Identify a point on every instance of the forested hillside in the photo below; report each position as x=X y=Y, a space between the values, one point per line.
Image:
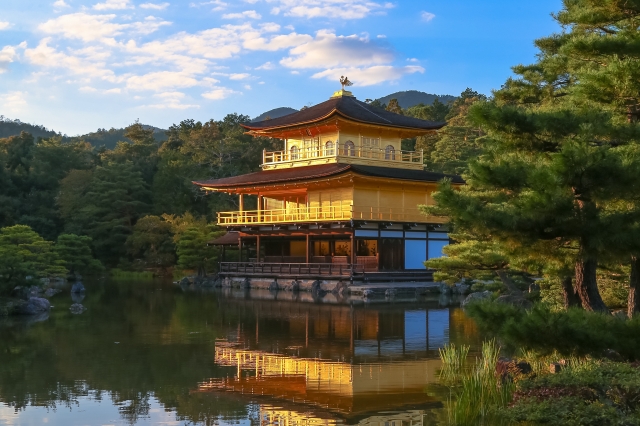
x=410 y=98
x=10 y=127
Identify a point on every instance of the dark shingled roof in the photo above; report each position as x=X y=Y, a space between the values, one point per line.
x=324 y=170
x=349 y=107
x=231 y=238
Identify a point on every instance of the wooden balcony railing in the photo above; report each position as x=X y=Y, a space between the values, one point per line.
x=301 y=269
x=292 y=215
x=324 y=214
x=342 y=150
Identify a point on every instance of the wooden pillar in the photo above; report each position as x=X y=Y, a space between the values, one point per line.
x=241 y=202
x=306 y=331
x=258 y=248
x=353 y=250
x=239 y=249
x=224 y=250
x=259 y=207
x=308 y=249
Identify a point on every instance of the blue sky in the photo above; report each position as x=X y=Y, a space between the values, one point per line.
x=79 y=65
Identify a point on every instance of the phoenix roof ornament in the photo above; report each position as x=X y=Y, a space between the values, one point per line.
x=345 y=82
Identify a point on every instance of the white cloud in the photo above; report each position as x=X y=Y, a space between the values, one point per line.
x=87 y=62
x=247 y=86
x=83 y=26
x=87 y=89
x=219 y=4
x=251 y=1
x=266 y=66
x=8 y=54
x=427 y=16
x=276 y=42
x=328 y=50
x=381 y=36
x=115 y=90
x=113 y=5
x=412 y=60
x=294 y=72
x=369 y=76
x=4 y=25
x=162 y=80
x=60 y=3
x=251 y=14
x=155 y=6
x=219 y=93
x=13 y=102
x=171 y=100
x=340 y=9
x=240 y=76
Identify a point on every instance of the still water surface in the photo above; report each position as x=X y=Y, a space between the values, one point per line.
x=154 y=353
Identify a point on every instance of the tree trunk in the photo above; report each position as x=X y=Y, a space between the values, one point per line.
x=633 y=305
x=587 y=286
x=569 y=294
x=504 y=277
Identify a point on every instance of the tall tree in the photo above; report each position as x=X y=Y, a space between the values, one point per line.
x=561 y=164
x=114 y=200
x=394 y=107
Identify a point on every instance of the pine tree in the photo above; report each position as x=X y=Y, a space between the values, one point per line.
x=114 y=200
x=75 y=251
x=394 y=107
x=561 y=163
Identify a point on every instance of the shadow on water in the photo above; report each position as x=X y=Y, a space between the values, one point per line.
x=145 y=353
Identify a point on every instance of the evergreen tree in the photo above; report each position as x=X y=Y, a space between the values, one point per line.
x=460 y=140
x=152 y=242
x=24 y=253
x=394 y=107
x=75 y=251
x=561 y=163
x=115 y=199
x=193 y=251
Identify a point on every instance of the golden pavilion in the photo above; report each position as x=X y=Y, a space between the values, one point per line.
x=341 y=199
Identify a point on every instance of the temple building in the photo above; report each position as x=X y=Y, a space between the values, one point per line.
x=341 y=199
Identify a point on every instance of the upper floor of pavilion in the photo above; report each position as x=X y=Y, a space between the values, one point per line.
x=343 y=130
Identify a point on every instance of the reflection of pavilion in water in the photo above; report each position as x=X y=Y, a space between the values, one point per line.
x=326 y=364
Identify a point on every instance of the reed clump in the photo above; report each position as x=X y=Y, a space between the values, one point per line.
x=476 y=392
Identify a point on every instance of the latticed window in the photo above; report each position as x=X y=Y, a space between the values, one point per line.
x=389 y=153
x=349 y=148
x=294 y=153
x=370 y=143
x=329 y=148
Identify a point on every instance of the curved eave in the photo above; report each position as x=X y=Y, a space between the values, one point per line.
x=263 y=131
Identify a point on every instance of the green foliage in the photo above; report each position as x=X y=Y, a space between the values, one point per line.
x=109 y=208
x=24 y=253
x=394 y=107
x=152 y=242
x=574 y=332
x=193 y=251
x=477 y=394
x=75 y=251
x=469 y=259
x=591 y=393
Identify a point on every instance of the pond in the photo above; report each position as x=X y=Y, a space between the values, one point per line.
x=155 y=353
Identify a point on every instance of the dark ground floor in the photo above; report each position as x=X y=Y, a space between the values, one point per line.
x=361 y=247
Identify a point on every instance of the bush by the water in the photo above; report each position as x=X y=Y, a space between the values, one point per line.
x=572 y=332
x=588 y=393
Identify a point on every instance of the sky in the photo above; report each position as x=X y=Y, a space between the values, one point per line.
x=78 y=65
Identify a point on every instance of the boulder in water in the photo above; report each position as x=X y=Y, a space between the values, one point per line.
x=77 y=309
x=77 y=288
x=476 y=297
x=52 y=292
x=32 y=306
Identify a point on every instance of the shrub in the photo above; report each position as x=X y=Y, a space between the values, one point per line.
x=574 y=332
